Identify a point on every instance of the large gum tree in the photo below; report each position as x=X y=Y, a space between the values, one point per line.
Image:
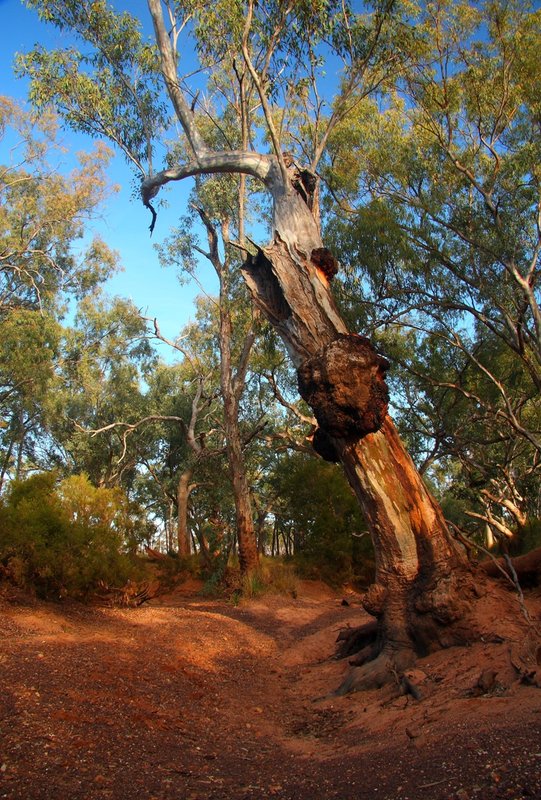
x=289 y=73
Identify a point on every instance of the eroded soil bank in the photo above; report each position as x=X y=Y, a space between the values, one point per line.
x=193 y=699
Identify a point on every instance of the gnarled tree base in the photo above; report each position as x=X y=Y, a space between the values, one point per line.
x=379 y=652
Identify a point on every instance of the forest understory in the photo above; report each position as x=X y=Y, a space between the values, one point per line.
x=192 y=698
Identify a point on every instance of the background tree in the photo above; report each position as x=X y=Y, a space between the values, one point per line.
x=42 y=267
x=105 y=358
x=216 y=204
x=185 y=431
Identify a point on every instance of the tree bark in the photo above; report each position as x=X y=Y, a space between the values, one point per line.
x=247 y=544
x=246 y=538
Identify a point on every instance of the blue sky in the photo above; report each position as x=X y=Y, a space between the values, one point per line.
x=124 y=223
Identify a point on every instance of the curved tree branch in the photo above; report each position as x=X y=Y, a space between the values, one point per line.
x=233 y=162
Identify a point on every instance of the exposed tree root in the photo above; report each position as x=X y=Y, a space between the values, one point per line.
x=354 y=640
x=368 y=653
x=527 y=568
x=388 y=667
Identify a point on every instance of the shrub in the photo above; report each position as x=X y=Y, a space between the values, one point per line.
x=279 y=576
x=63 y=538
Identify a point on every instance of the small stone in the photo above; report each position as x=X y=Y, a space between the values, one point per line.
x=416 y=676
x=487 y=680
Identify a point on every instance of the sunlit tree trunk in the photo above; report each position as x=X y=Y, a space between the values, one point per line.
x=423 y=588
x=422 y=578
x=183 y=495
x=423 y=591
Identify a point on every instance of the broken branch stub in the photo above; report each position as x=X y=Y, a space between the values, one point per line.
x=324 y=260
x=345 y=386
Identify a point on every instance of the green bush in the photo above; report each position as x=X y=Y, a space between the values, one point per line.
x=330 y=538
x=529 y=537
x=63 y=538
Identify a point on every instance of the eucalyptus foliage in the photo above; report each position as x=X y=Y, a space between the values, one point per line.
x=436 y=215
x=44 y=266
x=422 y=122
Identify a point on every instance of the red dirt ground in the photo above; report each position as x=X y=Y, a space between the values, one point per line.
x=194 y=699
